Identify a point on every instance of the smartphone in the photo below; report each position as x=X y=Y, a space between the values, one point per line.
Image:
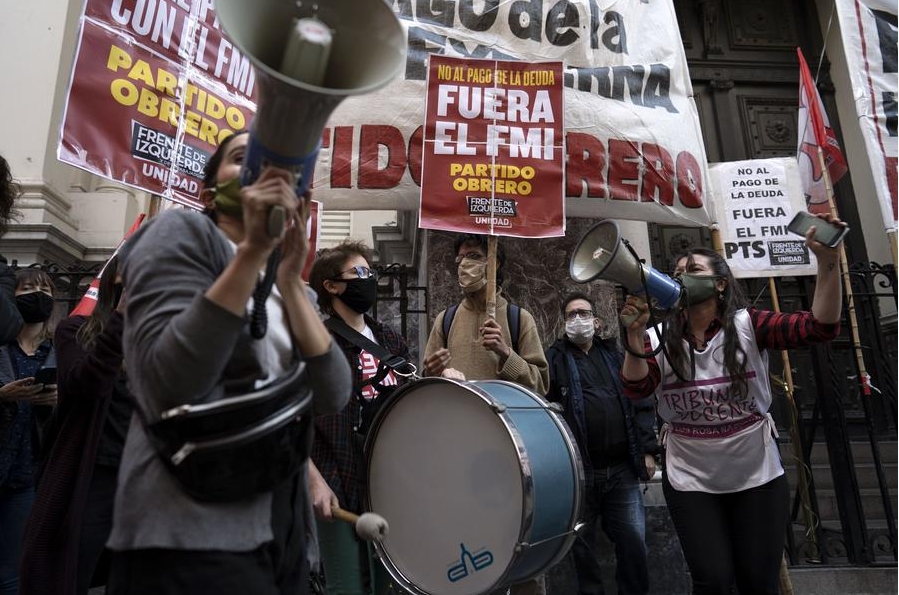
x=45 y=375
x=826 y=233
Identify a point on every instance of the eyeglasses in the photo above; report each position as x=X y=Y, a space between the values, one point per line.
x=361 y=273
x=471 y=256
x=575 y=314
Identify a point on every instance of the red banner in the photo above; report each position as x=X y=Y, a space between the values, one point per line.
x=816 y=132
x=493 y=148
x=154 y=90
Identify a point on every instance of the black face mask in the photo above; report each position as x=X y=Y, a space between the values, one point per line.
x=36 y=306
x=359 y=294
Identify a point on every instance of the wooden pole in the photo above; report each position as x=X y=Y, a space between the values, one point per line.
x=795 y=442
x=847 y=285
x=491 y=276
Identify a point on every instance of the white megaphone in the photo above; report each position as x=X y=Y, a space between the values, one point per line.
x=308 y=56
x=599 y=254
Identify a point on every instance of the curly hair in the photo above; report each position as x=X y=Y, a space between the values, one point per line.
x=329 y=263
x=9 y=192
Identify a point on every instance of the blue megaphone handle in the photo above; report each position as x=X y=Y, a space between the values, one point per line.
x=663 y=289
x=257 y=156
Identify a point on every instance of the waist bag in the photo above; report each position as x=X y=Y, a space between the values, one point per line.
x=238 y=446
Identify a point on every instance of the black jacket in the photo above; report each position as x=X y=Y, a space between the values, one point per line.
x=564 y=388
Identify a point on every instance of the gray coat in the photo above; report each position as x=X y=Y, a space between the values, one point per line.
x=182 y=348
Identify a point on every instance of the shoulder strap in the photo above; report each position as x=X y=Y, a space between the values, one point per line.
x=448 y=322
x=395 y=362
x=513 y=312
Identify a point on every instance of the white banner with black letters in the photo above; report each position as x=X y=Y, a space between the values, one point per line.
x=754 y=201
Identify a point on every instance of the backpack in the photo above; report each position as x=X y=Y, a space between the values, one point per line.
x=513 y=312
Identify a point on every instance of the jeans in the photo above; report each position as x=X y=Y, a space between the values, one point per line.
x=15 y=506
x=613 y=502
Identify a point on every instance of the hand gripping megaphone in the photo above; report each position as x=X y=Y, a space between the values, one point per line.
x=603 y=254
x=307 y=58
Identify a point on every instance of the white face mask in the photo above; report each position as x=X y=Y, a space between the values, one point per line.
x=580 y=330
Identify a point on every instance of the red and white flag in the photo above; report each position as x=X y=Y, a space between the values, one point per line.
x=89 y=300
x=814 y=132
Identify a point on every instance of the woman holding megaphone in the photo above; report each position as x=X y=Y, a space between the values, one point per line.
x=192 y=280
x=723 y=479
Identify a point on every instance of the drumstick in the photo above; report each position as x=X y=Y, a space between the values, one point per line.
x=369 y=526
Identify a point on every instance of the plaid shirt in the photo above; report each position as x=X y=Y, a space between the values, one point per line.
x=335 y=448
x=773 y=330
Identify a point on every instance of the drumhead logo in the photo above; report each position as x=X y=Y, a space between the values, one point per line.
x=469 y=563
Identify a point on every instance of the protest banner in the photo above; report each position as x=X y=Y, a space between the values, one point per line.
x=633 y=145
x=755 y=201
x=634 y=149
x=154 y=89
x=869 y=32
x=493 y=150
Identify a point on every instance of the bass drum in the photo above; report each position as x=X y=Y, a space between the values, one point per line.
x=481 y=483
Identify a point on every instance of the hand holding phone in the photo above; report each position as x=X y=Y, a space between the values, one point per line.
x=829 y=234
x=45 y=375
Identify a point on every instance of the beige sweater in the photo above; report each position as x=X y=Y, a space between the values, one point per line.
x=526 y=367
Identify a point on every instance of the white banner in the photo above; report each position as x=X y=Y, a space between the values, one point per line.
x=634 y=148
x=869 y=37
x=754 y=202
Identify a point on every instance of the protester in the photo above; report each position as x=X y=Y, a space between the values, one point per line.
x=617 y=443
x=72 y=514
x=347 y=287
x=10 y=318
x=479 y=348
x=190 y=278
x=24 y=404
x=723 y=479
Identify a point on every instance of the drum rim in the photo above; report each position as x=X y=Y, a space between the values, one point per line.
x=577 y=464
x=524 y=465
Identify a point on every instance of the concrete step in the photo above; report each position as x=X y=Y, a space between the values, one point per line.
x=866 y=474
x=872 y=504
x=860 y=450
x=843 y=581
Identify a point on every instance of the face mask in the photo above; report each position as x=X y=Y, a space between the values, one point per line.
x=35 y=306
x=359 y=294
x=227 y=198
x=580 y=330
x=472 y=275
x=699 y=288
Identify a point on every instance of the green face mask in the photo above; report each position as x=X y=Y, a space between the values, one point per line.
x=699 y=288
x=227 y=198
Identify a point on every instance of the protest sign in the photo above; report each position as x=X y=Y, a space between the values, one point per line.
x=493 y=150
x=755 y=201
x=154 y=90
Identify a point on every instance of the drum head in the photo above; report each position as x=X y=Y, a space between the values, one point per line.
x=445 y=473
